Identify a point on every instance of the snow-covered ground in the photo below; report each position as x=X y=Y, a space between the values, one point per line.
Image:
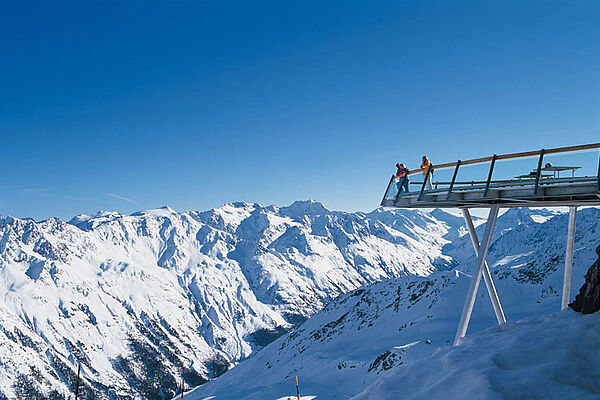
x=556 y=356
x=393 y=340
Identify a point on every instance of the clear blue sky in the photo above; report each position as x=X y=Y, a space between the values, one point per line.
x=134 y=105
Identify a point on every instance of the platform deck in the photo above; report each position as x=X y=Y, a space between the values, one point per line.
x=518 y=193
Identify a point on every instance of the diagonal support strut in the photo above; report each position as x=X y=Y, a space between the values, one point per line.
x=470 y=301
x=487 y=276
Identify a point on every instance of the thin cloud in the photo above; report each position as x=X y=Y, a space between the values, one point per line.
x=27 y=190
x=35 y=192
x=119 y=197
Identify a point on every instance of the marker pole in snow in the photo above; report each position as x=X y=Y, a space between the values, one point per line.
x=182 y=384
x=566 y=291
x=297 y=390
x=77 y=384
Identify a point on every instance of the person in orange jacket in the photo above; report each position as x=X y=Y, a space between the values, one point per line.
x=425 y=163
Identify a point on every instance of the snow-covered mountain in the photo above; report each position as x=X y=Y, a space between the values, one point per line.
x=142 y=300
x=392 y=339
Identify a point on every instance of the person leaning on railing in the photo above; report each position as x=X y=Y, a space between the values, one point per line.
x=425 y=163
x=401 y=178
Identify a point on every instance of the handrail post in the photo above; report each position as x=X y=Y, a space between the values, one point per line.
x=489 y=179
x=453 y=179
x=386 y=191
x=538 y=172
x=425 y=181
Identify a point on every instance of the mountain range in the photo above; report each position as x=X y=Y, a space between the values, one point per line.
x=140 y=301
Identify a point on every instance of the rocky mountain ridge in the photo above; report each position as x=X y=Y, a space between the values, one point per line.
x=141 y=300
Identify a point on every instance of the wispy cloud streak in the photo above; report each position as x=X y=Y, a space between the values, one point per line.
x=119 y=197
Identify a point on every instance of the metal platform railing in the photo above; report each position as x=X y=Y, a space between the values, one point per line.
x=536 y=188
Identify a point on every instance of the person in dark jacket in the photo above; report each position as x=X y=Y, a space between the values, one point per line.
x=402 y=178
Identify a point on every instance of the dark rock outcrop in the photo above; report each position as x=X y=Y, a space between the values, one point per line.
x=588 y=299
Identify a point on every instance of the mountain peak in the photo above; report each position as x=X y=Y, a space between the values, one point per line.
x=537 y=215
x=85 y=222
x=304 y=207
x=164 y=211
x=239 y=205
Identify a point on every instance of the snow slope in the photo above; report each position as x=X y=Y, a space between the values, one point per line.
x=552 y=357
x=394 y=328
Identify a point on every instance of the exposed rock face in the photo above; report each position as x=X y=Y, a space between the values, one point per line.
x=588 y=299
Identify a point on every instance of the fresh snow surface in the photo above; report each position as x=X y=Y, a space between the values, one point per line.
x=551 y=357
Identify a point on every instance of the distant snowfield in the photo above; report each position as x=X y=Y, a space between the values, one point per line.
x=550 y=357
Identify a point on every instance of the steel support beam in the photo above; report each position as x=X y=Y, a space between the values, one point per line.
x=566 y=292
x=487 y=276
x=470 y=301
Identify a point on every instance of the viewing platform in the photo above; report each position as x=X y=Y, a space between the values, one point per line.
x=541 y=187
x=528 y=179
